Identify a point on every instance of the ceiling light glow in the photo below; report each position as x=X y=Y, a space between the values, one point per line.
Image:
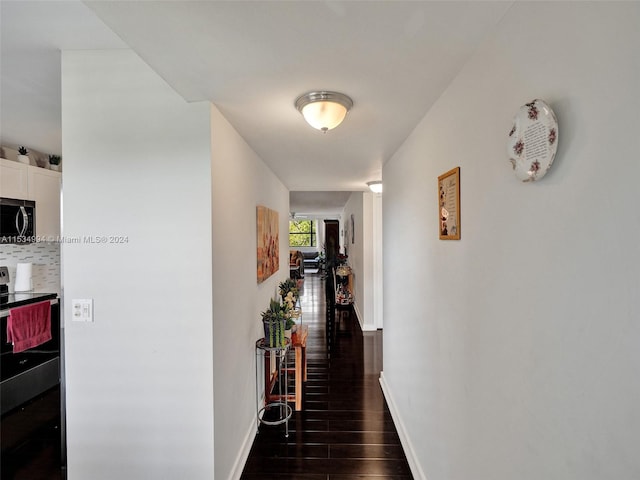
x=323 y=110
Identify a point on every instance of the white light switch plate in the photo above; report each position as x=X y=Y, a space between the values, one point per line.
x=82 y=310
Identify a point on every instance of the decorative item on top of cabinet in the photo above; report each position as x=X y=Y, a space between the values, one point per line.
x=23 y=155
x=54 y=162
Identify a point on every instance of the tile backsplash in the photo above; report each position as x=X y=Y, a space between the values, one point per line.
x=45 y=258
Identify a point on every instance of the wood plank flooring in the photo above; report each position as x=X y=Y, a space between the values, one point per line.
x=30 y=440
x=345 y=430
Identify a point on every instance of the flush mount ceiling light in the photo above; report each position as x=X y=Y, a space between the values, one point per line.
x=375 y=186
x=324 y=111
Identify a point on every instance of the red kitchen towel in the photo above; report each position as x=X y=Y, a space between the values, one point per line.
x=29 y=326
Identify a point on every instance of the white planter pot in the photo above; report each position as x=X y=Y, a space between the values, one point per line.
x=24 y=159
x=55 y=168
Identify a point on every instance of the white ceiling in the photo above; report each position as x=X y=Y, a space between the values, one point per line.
x=324 y=203
x=32 y=35
x=253 y=59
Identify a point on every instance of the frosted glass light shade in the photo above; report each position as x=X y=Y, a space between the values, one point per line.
x=375 y=187
x=324 y=115
x=324 y=111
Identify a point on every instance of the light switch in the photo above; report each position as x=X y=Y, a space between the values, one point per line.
x=82 y=310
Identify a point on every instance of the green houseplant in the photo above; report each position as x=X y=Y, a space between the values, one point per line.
x=288 y=290
x=274 y=320
x=286 y=287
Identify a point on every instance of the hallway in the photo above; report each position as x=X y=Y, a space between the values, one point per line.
x=345 y=430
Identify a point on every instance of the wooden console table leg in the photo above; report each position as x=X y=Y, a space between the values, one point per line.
x=298 y=378
x=304 y=361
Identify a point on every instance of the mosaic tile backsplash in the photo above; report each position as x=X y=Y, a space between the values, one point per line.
x=45 y=258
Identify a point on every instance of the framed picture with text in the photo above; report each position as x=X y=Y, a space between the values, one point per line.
x=449 y=205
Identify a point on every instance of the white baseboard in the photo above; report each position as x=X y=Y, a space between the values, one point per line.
x=414 y=465
x=363 y=327
x=241 y=459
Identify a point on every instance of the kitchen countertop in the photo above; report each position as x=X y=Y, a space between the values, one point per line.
x=12 y=300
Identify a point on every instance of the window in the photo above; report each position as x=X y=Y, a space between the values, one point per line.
x=302 y=233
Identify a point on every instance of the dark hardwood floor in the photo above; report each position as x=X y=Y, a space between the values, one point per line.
x=345 y=430
x=30 y=440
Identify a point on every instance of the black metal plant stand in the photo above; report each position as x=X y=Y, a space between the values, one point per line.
x=276 y=411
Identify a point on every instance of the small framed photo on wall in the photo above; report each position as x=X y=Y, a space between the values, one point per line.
x=449 y=205
x=352 y=229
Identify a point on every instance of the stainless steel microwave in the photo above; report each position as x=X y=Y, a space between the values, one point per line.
x=17 y=220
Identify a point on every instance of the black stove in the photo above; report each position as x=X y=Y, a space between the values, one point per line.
x=11 y=300
x=4 y=280
x=25 y=375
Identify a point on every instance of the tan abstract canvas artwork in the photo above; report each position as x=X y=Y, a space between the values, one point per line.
x=268 y=242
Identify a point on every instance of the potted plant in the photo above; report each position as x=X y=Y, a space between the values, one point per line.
x=23 y=155
x=274 y=320
x=322 y=264
x=288 y=286
x=54 y=162
x=289 y=291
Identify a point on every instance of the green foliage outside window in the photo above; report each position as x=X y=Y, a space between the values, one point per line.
x=302 y=233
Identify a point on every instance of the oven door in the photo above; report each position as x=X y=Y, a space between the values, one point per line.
x=28 y=374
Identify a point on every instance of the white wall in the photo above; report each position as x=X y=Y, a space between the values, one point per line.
x=365 y=256
x=140 y=378
x=354 y=250
x=513 y=353
x=361 y=260
x=377 y=262
x=240 y=182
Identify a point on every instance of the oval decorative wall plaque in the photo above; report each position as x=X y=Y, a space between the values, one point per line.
x=533 y=141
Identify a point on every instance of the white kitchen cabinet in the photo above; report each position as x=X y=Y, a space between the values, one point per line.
x=44 y=188
x=14 y=180
x=26 y=182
